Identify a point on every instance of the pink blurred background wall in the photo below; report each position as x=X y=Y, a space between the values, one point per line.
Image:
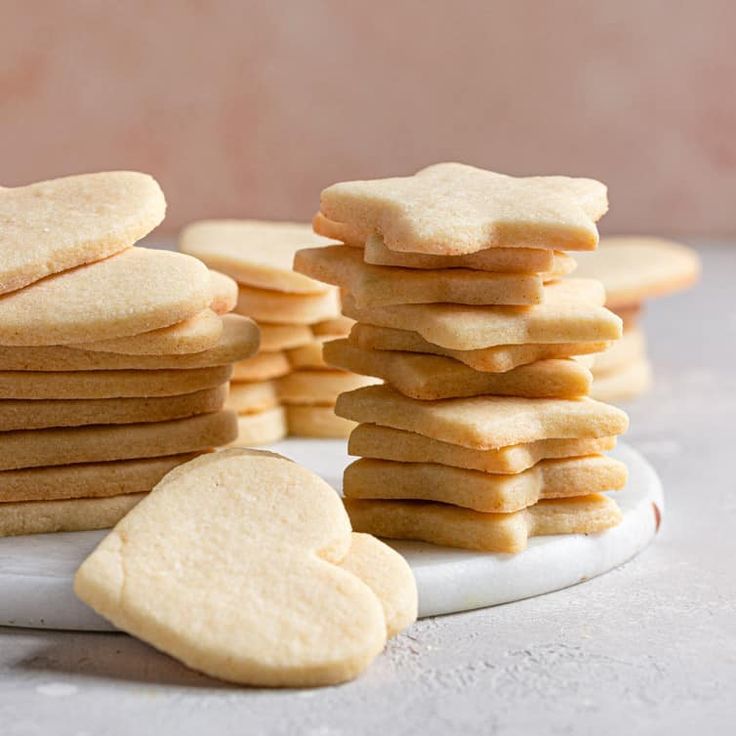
x=250 y=108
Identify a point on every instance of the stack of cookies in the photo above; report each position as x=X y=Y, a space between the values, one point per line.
x=286 y=388
x=114 y=359
x=632 y=270
x=483 y=434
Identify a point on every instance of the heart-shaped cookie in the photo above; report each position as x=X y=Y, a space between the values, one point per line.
x=232 y=565
x=55 y=225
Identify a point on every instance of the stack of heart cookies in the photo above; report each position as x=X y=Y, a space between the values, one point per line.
x=483 y=434
x=634 y=269
x=114 y=359
x=286 y=388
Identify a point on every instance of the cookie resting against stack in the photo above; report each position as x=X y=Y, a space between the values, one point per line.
x=483 y=434
x=286 y=388
x=634 y=269
x=114 y=359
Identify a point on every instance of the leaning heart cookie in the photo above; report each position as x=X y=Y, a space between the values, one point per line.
x=232 y=565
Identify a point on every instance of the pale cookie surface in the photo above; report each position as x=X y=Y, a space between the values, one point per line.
x=284 y=337
x=52 y=226
x=44 y=413
x=86 y=480
x=388 y=575
x=318 y=387
x=192 y=335
x=261 y=367
x=310 y=356
x=239 y=340
x=480 y=491
x=385 y=285
x=261 y=428
x=224 y=294
x=102 y=443
x=252 y=398
x=548 y=263
x=109 y=384
x=483 y=422
x=630 y=348
x=290 y=617
x=71 y=515
x=319 y=422
x=132 y=292
x=634 y=269
x=435 y=377
x=253 y=252
x=453 y=209
x=345 y=233
x=452 y=526
x=385 y=443
x=572 y=312
x=299 y=309
x=623 y=384
x=496 y=359
x=339 y=326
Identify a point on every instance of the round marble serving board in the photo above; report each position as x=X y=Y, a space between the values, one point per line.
x=36 y=571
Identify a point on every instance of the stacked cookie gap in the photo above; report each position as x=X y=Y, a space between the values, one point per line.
x=286 y=388
x=483 y=433
x=114 y=359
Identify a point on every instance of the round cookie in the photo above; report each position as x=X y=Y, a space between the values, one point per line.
x=261 y=428
x=299 y=309
x=252 y=398
x=224 y=293
x=317 y=421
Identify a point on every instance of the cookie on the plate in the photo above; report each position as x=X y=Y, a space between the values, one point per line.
x=318 y=387
x=263 y=366
x=454 y=209
x=56 y=225
x=299 y=309
x=252 y=398
x=236 y=622
x=261 y=428
x=319 y=422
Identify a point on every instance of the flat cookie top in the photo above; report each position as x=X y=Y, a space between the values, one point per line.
x=636 y=268
x=256 y=253
x=453 y=209
x=55 y=225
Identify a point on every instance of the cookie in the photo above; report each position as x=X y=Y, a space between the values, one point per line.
x=86 y=480
x=317 y=421
x=318 y=387
x=348 y=234
x=56 y=225
x=44 y=413
x=434 y=377
x=235 y=622
x=261 y=367
x=453 y=526
x=276 y=306
x=637 y=268
x=309 y=356
x=623 y=384
x=551 y=264
x=630 y=314
x=455 y=209
x=239 y=340
x=571 y=312
x=487 y=492
x=71 y=515
x=135 y=291
x=103 y=443
x=483 y=422
x=383 y=285
x=252 y=398
x=385 y=443
x=497 y=359
x=109 y=384
x=224 y=293
x=284 y=337
x=388 y=575
x=253 y=252
x=339 y=326
x=261 y=428
x=630 y=348
x=194 y=335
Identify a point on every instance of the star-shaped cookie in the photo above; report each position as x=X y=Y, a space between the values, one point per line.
x=455 y=209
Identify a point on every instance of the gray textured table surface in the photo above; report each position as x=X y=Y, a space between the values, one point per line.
x=649 y=648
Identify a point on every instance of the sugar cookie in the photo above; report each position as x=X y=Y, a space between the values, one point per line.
x=336 y=327
x=261 y=367
x=348 y=234
x=56 y=225
x=623 y=384
x=252 y=398
x=630 y=348
x=454 y=209
x=224 y=295
x=261 y=428
x=310 y=356
x=318 y=387
x=317 y=421
x=483 y=422
x=284 y=337
x=276 y=306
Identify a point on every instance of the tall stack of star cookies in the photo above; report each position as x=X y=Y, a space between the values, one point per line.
x=483 y=434
x=634 y=269
x=114 y=359
x=286 y=388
